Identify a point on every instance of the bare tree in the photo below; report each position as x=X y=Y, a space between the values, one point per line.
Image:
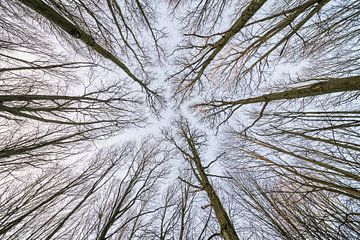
x=240 y=59
x=223 y=109
x=35 y=124
x=90 y=17
x=286 y=210
x=111 y=197
x=132 y=194
x=188 y=143
x=48 y=102
x=300 y=175
x=184 y=213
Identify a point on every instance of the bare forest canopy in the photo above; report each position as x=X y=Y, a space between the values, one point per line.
x=267 y=144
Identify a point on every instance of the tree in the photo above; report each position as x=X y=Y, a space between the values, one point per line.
x=288 y=210
x=76 y=25
x=314 y=168
x=48 y=102
x=189 y=146
x=217 y=109
x=93 y=202
x=182 y=215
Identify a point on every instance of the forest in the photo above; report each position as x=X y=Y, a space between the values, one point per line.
x=179 y=119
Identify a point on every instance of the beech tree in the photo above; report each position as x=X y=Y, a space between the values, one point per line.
x=48 y=102
x=89 y=17
x=183 y=214
x=312 y=165
x=290 y=210
x=240 y=58
x=189 y=144
x=92 y=203
x=224 y=109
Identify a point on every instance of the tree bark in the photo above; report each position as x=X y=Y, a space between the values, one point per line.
x=333 y=85
x=227 y=230
x=60 y=21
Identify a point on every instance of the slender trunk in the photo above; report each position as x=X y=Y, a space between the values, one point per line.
x=60 y=21
x=226 y=227
x=246 y=15
x=333 y=85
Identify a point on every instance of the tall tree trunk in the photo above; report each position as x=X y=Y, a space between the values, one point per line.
x=333 y=85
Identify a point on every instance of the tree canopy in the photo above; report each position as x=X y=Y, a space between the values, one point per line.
x=177 y=119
